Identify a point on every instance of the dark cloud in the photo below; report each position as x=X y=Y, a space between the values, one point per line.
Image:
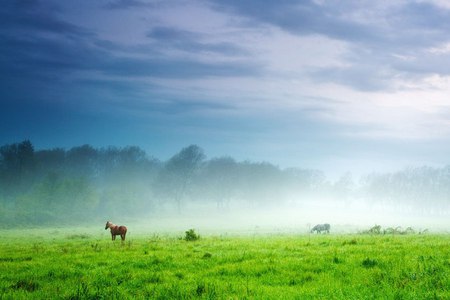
x=171 y=68
x=39 y=47
x=301 y=17
x=414 y=14
x=160 y=33
x=126 y=4
x=335 y=19
x=36 y=44
x=188 y=41
x=171 y=105
x=375 y=47
x=59 y=78
x=41 y=55
x=30 y=17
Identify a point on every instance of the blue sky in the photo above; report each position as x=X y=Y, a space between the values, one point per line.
x=334 y=85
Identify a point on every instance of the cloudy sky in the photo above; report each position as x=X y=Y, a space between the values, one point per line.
x=332 y=85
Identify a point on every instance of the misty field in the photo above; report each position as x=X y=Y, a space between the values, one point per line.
x=62 y=264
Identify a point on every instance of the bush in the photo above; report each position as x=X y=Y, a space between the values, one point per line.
x=377 y=229
x=191 y=235
x=369 y=263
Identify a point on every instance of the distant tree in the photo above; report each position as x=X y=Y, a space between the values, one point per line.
x=17 y=167
x=178 y=172
x=58 y=198
x=53 y=185
x=302 y=184
x=83 y=161
x=53 y=160
x=219 y=180
x=260 y=183
x=344 y=187
x=26 y=157
x=423 y=189
x=124 y=162
x=124 y=176
x=17 y=157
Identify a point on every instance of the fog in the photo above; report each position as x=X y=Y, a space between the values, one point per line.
x=85 y=185
x=288 y=220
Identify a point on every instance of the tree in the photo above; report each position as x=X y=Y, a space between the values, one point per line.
x=219 y=180
x=260 y=183
x=17 y=166
x=304 y=184
x=343 y=187
x=174 y=178
x=50 y=160
x=82 y=161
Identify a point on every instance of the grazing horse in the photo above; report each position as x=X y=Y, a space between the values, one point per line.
x=116 y=230
x=321 y=227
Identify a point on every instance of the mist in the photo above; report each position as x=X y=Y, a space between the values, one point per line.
x=87 y=185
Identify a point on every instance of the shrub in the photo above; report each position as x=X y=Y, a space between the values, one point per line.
x=191 y=235
x=351 y=242
x=27 y=285
x=375 y=229
x=378 y=230
x=369 y=263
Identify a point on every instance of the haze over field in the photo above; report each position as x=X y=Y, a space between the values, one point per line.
x=85 y=185
x=345 y=102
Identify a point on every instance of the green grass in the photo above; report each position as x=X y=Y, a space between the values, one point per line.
x=55 y=264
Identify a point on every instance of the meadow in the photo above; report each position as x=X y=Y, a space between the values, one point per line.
x=51 y=263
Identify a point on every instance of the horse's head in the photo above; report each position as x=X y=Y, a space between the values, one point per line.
x=108 y=223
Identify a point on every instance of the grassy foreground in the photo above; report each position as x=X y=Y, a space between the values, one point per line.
x=54 y=264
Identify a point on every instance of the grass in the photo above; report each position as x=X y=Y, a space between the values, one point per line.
x=54 y=264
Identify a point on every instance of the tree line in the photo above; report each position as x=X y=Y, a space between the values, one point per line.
x=55 y=185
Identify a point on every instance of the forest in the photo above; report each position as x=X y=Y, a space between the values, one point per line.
x=51 y=186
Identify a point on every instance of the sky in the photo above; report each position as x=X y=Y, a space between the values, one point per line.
x=340 y=86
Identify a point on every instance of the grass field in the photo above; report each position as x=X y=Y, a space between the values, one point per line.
x=59 y=264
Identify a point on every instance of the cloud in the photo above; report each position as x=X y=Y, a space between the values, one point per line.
x=43 y=56
x=24 y=17
x=160 y=68
x=280 y=75
x=126 y=4
x=376 y=34
x=303 y=18
x=192 y=42
x=441 y=49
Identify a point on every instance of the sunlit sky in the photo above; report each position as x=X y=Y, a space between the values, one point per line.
x=340 y=86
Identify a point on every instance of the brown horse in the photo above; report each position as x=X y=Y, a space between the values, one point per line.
x=116 y=230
